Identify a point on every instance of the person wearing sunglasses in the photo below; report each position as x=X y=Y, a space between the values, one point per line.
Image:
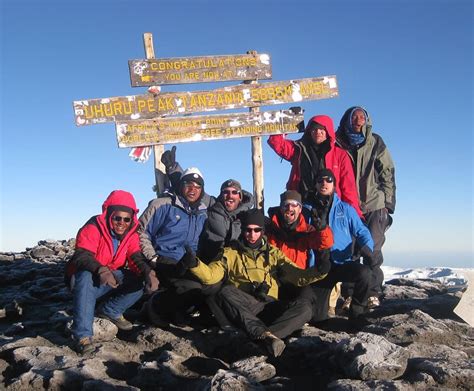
x=375 y=179
x=170 y=228
x=223 y=222
x=252 y=270
x=289 y=231
x=107 y=261
x=314 y=151
x=345 y=224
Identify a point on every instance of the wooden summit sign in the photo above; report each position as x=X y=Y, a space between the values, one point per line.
x=183 y=70
x=210 y=127
x=147 y=106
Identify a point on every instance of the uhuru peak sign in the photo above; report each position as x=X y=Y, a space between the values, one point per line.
x=139 y=118
x=138 y=107
x=181 y=70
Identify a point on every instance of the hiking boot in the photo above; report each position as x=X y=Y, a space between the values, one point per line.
x=373 y=302
x=84 y=346
x=331 y=312
x=347 y=304
x=273 y=344
x=120 y=322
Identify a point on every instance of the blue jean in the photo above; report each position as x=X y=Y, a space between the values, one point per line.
x=86 y=290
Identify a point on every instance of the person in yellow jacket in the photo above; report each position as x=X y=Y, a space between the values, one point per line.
x=253 y=269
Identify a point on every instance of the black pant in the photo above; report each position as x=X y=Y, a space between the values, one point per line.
x=354 y=272
x=378 y=223
x=280 y=317
x=182 y=290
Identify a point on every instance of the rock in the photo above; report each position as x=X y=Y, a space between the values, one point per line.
x=414 y=326
x=254 y=368
x=103 y=329
x=371 y=357
x=233 y=381
x=42 y=252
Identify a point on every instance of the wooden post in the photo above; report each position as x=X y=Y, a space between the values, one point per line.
x=257 y=167
x=257 y=160
x=160 y=172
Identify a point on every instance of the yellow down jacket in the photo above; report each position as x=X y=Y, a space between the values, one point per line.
x=242 y=266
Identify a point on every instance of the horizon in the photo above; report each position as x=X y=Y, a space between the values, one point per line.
x=413 y=74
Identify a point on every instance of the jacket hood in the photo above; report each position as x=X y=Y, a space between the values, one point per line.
x=120 y=198
x=346 y=122
x=327 y=122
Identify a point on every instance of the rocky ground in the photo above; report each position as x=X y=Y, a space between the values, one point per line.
x=413 y=341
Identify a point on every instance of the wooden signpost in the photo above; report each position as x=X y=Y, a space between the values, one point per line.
x=139 y=107
x=171 y=130
x=145 y=120
x=182 y=70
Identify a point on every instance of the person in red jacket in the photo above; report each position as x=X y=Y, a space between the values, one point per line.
x=107 y=260
x=314 y=151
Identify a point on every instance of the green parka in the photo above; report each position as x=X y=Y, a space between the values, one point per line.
x=373 y=166
x=242 y=266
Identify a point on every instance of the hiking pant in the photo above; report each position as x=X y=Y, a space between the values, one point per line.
x=182 y=291
x=378 y=223
x=280 y=317
x=86 y=290
x=354 y=272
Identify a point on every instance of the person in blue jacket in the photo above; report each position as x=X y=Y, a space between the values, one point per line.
x=345 y=224
x=170 y=228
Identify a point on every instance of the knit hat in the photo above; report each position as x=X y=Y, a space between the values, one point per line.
x=231 y=183
x=192 y=174
x=252 y=217
x=326 y=173
x=290 y=195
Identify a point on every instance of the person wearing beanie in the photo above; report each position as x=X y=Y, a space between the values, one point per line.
x=253 y=270
x=375 y=179
x=345 y=224
x=170 y=228
x=289 y=231
x=107 y=261
x=223 y=222
x=317 y=150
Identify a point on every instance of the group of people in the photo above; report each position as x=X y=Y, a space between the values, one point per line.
x=265 y=275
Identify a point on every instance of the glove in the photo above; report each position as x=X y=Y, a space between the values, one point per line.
x=320 y=217
x=151 y=282
x=169 y=158
x=368 y=255
x=188 y=260
x=107 y=277
x=323 y=261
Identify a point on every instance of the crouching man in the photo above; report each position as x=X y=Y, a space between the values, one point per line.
x=107 y=261
x=253 y=270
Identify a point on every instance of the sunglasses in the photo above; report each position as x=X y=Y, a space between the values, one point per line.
x=227 y=192
x=192 y=184
x=257 y=230
x=326 y=179
x=118 y=219
x=294 y=204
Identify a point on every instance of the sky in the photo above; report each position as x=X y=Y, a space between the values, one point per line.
x=409 y=63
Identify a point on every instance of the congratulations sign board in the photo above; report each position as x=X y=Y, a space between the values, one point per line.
x=184 y=70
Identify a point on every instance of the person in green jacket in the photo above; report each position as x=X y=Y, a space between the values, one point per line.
x=375 y=179
x=253 y=269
